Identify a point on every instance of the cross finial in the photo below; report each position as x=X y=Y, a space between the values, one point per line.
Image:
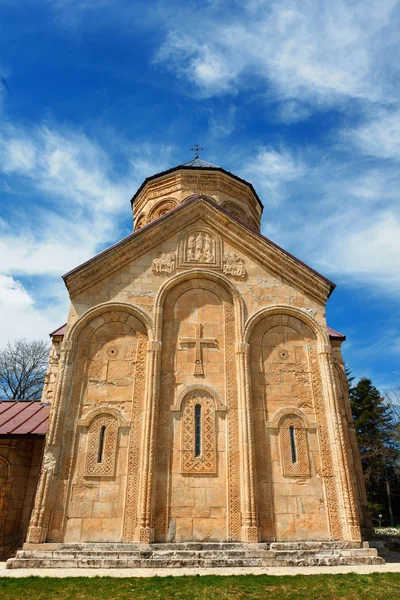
x=196 y=150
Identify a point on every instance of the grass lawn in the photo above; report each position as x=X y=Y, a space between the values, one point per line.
x=376 y=586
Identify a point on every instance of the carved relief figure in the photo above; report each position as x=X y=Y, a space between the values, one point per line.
x=191 y=245
x=200 y=248
x=233 y=265
x=164 y=263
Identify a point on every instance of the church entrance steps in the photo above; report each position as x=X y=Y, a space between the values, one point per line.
x=192 y=554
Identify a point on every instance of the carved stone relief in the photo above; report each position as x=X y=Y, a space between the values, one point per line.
x=200 y=246
x=233 y=265
x=165 y=263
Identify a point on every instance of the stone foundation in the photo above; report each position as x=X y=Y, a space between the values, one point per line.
x=191 y=554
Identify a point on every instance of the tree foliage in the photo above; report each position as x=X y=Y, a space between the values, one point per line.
x=23 y=365
x=377 y=428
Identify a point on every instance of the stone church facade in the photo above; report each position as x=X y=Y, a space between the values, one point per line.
x=197 y=393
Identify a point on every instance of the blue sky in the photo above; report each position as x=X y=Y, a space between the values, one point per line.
x=301 y=99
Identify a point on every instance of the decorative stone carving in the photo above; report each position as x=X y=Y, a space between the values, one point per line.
x=165 y=263
x=200 y=247
x=233 y=265
x=101 y=446
x=198 y=341
x=205 y=461
x=294 y=449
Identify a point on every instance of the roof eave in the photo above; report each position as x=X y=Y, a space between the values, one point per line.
x=183 y=206
x=187 y=168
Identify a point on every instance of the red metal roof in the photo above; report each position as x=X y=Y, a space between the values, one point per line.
x=59 y=331
x=23 y=418
x=335 y=335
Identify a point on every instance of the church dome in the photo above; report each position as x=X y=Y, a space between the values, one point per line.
x=163 y=192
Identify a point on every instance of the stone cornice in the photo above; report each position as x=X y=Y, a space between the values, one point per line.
x=274 y=258
x=176 y=173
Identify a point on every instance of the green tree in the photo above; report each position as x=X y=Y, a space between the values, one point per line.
x=377 y=433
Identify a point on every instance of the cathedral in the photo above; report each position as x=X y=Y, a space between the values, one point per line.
x=197 y=394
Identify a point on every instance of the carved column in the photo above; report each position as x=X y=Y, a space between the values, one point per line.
x=249 y=513
x=145 y=529
x=39 y=523
x=348 y=511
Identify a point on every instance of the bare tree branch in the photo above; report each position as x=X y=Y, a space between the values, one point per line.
x=23 y=365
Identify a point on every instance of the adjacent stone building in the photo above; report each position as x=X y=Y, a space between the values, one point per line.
x=197 y=392
x=23 y=426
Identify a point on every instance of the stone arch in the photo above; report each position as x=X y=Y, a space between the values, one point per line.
x=187 y=276
x=100 y=410
x=219 y=407
x=285 y=345
x=83 y=377
x=140 y=221
x=282 y=309
x=161 y=208
x=237 y=211
x=290 y=410
x=166 y=330
x=88 y=318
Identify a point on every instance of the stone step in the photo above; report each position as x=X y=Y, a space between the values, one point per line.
x=163 y=555
x=55 y=563
x=193 y=554
x=313 y=545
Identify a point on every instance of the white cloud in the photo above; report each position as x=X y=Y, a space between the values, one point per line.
x=273 y=170
x=343 y=220
x=379 y=137
x=314 y=51
x=72 y=200
x=19 y=317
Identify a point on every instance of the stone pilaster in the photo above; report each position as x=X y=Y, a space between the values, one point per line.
x=39 y=523
x=249 y=515
x=145 y=533
x=347 y=505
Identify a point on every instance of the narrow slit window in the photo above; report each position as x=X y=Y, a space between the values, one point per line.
x=101 y=444
x=197 y=430
x=292 y=444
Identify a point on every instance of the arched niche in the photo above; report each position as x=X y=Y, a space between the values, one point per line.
x=162 y=208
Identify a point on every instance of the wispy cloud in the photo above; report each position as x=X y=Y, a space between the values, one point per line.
x=273 y=169
x=76 y=201
x=318 y=52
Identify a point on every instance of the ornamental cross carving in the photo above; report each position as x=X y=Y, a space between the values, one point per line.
x=199 y=341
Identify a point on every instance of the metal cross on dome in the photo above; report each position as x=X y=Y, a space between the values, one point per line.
x=196 y=150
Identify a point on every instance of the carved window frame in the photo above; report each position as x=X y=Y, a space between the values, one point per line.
x=193 y=463
x=291 y=425
x=102 y=441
